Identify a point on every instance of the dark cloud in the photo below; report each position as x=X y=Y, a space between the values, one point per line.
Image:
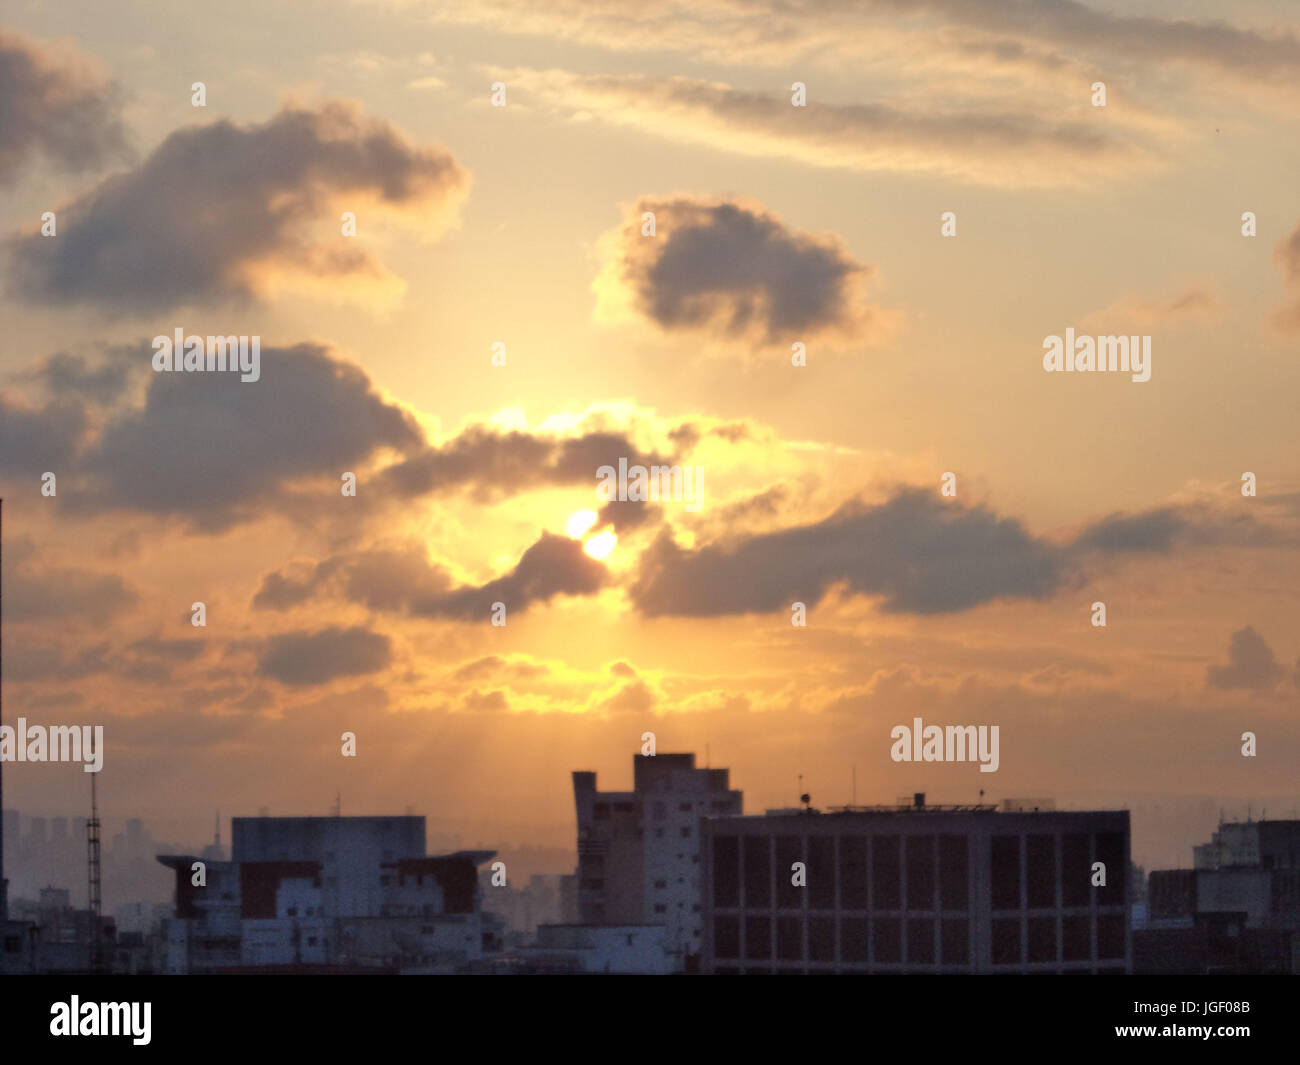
x=36 y=441
x=53 y=104
x=403 y=581
x=212 y=447
x=1250 y=664
x=737 y=271
x=100 y=382
x=1154 y=530
x=920 y=554
x=223 y=212
x=303 y=658
x=1162 y=529
x=47 y=663
x=34 y=593
x=495 y=464
x=628 y=514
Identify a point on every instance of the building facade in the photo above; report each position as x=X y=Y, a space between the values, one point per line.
x=639 y=851
x=917 y=889
x=329 y=892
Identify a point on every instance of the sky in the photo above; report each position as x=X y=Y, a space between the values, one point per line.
x=798 y=327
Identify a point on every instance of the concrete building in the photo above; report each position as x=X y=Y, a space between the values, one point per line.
x=1237 y=910
x=916 y=889
x=639 y=850
x=329 y=892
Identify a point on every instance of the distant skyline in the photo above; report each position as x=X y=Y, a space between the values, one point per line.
x=460 y=305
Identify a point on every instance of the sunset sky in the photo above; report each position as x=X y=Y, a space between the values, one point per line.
x=776 y=225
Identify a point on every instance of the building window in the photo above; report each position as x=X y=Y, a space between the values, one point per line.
x=659 y=833
x=1112 y=852
x=789 y=939
x=821 y=873
x=659 y=810
x=726 y=937
x=954 y=873
x=293 y=911
x=1110 y=936
x=886 y=872
x=758 y=938
x=661 y=884
x=686 y=833
x=853 y=939
x=789 y=849
x=1006 y=941
x=600 y=812
x=920 y=874
x=1042 y=939
x=887 y=940
x=1006 y=873
x=920 y=941
x=726 y=874
x=955 y=941
x=853 y=874
x=1040 y=872
x=1076 y=870
x=1076 y=936
x=685 y=807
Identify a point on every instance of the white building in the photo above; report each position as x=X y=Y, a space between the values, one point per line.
x=639 y=850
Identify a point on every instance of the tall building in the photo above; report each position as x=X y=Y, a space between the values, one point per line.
x=916 y=888
x=639 y=850
x=338 y=892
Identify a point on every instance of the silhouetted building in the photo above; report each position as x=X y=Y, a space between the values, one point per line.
x=1237 y=910
x=639 y=850
x=330 y=892
x=917 y=889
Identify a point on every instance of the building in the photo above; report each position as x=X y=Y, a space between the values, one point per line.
x=585 y=948
x=1237 y=910
x=917 y=889
x=334 y=893
x=639 y=850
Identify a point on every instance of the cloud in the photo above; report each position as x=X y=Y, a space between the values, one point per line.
x=33 y=442
x=214 y=448
x=44 y=594
x=734 y=271
x=785 y=32
x=403 y=581
x=54 y=103
x=1250 y=664
x=1198 y=301
x=496 y=464
x=224 y=213
x=999 y=148
x=304 y=658
x=65 y=375
x=1162 y=529
x=918 y=554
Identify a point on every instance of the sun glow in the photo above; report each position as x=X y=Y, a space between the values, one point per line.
x=580 y=523
x=601 y=544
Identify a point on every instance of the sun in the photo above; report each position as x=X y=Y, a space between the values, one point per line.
x=580 y=523
x=601 y=544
